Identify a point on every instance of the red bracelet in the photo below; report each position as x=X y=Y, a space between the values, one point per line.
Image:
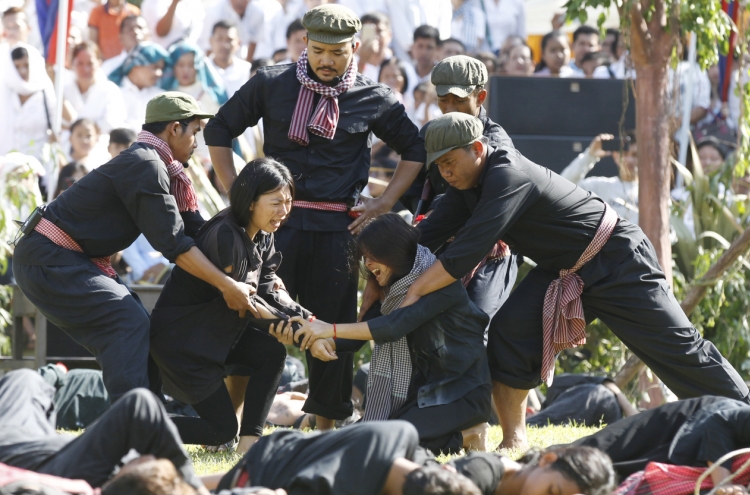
x=334 y=331
x=312 y=318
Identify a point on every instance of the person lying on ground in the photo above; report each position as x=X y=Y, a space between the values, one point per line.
x=447 y=398
x=137 y=422
x=196 y=337
x=364 y=459
x=693 y=432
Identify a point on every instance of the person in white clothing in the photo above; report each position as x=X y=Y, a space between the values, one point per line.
x=375 y=48
x=225 y=43
x=504 y=18
x=585 y=40
x=407 y=15
x=620 y=192
x=555 y=56
x=147 y=265
x=133 y=30
x=468 y=24
x=277 y=15
x=15 y=27
x=138 y=78
x=173 y=20
x=92 y=95
x=235 y=12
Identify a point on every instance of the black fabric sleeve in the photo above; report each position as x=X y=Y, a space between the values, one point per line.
x=444 y=221
x=723 y=432
x=193 y=221
x=243 y=110
x=279 y=299
x=400 y=322
x=395 y=128
x=507 y=192
x=144 y=190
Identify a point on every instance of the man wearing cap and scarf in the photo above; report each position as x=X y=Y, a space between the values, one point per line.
x=317 y=117
x=590 y=264
x=62 y=263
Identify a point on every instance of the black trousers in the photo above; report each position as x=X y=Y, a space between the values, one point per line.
x=317 y=271
x=217 y=423
x=491 y=285
x=98 y=312
x=440 y=427
x=635 y=302
x=28 y=440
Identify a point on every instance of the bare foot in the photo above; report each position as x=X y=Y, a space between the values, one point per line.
x=245 y=443
x=515 y=442
x=475 y=438
x=324 y=424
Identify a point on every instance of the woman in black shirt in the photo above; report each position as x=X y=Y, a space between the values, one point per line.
x=195 y=336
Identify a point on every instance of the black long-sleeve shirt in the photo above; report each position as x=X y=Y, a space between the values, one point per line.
x=532 y=209
x=326 y=169
x=110 y=207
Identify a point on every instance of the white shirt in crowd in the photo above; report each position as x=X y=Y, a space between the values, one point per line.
x=186 y=25
x=102 y=103
x=470 y=28
x=140 y=256
x=235 y=75
x=137 y=100
x=250 y=25
x=408 y=15
x=701 y=86
x=273 y=34
x=362 y=7
x=620 y=195
x=504 y=18
x=109 y=65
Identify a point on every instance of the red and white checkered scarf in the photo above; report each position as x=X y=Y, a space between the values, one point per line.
x=326 y=117
x=180 y=185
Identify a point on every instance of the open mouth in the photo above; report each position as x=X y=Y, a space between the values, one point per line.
x=376 y=272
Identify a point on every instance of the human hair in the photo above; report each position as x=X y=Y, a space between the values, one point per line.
x=453 y=40
x=398 y=64
x=614 y=32
x=589 y=468
x=260 y=176
x=19 y=53
x=714 y=143
x=293 y=27
x=159 y=127
x=596 y=56
x=434 y=480
x=222 y=25
x=376 y=18
x=65 y=178
x=545 y=41
x=390 y=241
x=122 y=136
x=259 y=63
x=87 y=46
x=584 y=30
x=131 y=17
x=13 y=11
x=150 y=478
x=81 y=122
x=428 y=32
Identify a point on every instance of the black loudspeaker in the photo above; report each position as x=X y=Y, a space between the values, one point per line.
x=548 y=106
x=556 y=152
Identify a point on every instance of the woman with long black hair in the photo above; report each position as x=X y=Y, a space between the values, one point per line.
x=195 y=336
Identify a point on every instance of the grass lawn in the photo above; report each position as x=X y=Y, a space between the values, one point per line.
x=207 y=463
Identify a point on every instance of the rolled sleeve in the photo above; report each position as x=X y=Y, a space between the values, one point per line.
x=395 y=128
x=244 y=109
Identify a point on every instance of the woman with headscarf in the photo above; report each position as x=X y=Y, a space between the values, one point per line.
x=138 y=78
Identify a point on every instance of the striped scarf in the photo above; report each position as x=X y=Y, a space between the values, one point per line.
x=326 y=117
x=180 y=185
x=390 y=366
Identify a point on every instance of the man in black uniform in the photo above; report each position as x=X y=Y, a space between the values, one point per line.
x=586 y=258
x=62 y=265
x=317 y=118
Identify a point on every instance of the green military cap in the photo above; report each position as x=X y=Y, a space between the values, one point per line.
x=331 y=24
x=173 y=105
x=458 y=75
x=450 y=131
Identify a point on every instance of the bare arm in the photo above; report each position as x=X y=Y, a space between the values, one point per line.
x=251 y=51
x=316 y=329
x=403 y=177
x=164 y=26
x=223 y=163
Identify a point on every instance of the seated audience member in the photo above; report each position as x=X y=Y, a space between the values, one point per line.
x=610 y=43
x=620 y=192
x=91 y=94
x=692 y=432
x=104 y=26
x=84 y=144
x=468 y=25
x=280 y=56
x=195 y=336
x=138 y=78
x=147 y=265
x=712 y=154
x=583 y=401
x=393 y=74
x=425 y=104
x=447 y=398
x=374 y=52
x=555 y=56
x=120 y=140
x=595 y=65
x=69 y=175
x=133 y=30
x=450 y=48
x=424 y=52
x=15 y=27
x=170 y=21
x=490 y=61
x=237 y=13
x=295 y=43
x=363 y=459
x=585 y=40
x=137 y=421
x=225 y=43
x=520 y=62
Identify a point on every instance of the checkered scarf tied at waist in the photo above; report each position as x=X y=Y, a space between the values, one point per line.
x=180 y=185
x=390 y=366
x=59 y=237
x=326 y=117
x=562 y=316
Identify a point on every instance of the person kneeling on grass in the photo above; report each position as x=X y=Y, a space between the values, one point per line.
x=447 y=397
